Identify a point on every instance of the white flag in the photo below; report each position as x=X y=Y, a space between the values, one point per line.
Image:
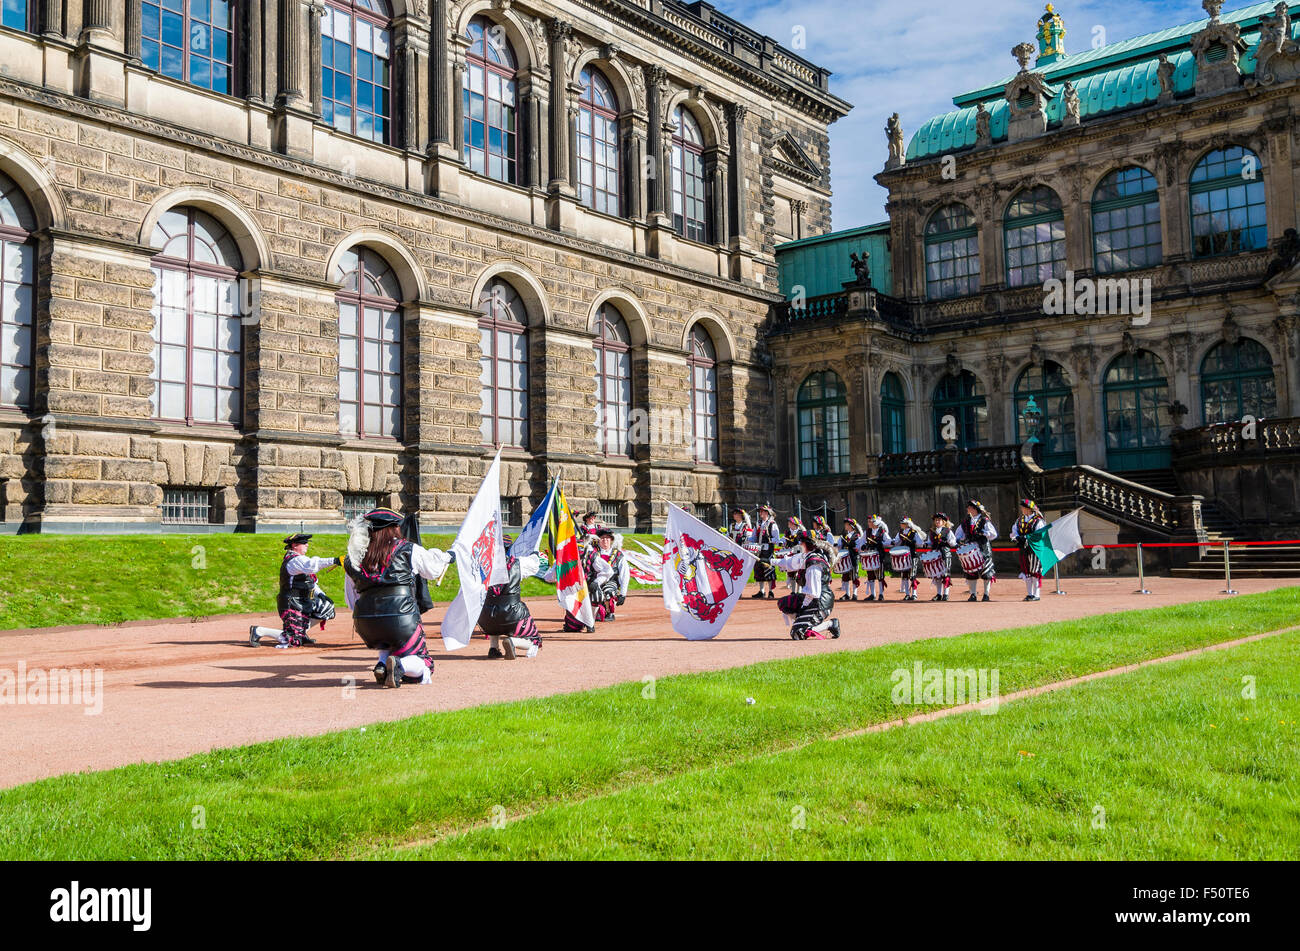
x=704 y=575
x=480 y=560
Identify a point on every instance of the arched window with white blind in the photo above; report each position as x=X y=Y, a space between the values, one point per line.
x=198 y=372
x=702 y=361
x=613 y=382
x=370 y=346
x=17 y=297
x=503 y=365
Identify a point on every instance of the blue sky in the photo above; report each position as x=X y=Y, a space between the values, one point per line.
x=912 y=58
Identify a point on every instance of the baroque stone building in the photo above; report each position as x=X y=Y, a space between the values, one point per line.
x=269 y=261
x=1110 y=234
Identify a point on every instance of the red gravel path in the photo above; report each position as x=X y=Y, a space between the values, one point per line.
x=176 y=688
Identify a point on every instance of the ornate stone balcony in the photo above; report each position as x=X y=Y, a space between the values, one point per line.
x=859 y=304
x=948 y=463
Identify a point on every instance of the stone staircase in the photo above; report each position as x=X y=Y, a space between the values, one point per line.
x=1251 y=562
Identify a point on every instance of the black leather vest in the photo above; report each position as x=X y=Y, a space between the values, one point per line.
x=386 y=613
x=503 y=608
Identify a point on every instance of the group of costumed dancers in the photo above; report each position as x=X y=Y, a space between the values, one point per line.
x=811 y=557
x=387 y=574
x=386 y=588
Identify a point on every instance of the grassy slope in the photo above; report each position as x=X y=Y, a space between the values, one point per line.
x=80 y=579
x=1173 y=761
x=346 y=793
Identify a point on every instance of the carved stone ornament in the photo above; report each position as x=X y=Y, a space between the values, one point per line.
x=1218 y=50
x=1036 y=355
x=983 y=133
x=1071 y=106
x=1277 y=58
x=952 y=365
x=1128 y=344
x=1165 y=76
x=1231 y=330
x=1024 y=53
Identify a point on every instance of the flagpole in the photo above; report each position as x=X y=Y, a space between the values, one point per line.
x=1056 y=576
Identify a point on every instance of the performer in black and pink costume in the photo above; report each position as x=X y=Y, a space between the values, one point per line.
x=607 y=576
x=380 y=589
x=505 y=618
x=876 y=539
x=977 y=528
x=849 y=579
x=808 y=611
x=301 y=600
x=768 y=538
x=909 y=536
x=943 y=540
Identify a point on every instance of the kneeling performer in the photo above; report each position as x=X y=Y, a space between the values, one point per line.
x=380 y=588
x=301 y=600
x=808 y=611
x=607 y=575
x=505 y=618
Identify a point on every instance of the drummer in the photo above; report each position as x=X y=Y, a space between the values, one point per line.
x=740 y=528
x=849 y=580
x=874 y=545
x=910 y=537
x=977 y=529
x=942 y=542
x=766 y=539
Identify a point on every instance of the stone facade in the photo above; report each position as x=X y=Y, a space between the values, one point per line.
x=101 y=147
x=998 y=331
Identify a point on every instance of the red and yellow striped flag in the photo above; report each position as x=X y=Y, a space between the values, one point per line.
x=570 y=582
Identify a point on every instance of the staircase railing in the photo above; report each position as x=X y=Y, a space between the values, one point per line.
x=1136 y=505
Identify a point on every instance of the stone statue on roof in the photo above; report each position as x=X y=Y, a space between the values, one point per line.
x=1071 y=104
x=1275 y=31
x=1165 y=74
x=861 y=267
x=983 y=131
x=1023 y=53
x=894 y=134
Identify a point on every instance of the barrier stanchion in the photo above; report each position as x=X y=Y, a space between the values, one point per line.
x=1142 y=581
x=1227 y=572
x=1056 y=576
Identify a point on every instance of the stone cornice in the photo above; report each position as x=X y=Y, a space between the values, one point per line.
x=175 y=135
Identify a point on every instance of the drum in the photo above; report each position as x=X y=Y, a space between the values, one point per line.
x=972 y=558
x=754 y=550
x=871 y=560
x=843 y=564
x=932 y=564
x=901 y=557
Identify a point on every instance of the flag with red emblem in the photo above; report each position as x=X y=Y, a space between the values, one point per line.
x=704 y=575
x=480 y=560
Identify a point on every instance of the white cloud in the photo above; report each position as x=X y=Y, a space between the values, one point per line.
x=912 y=58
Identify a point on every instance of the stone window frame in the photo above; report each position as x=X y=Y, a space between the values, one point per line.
x=1159 y=391
x=518 y=325
x=603 y=345
x=962 y=401
x=588 y=111
x=1052 y=403
x=1147 y=200
x=357 y=10
x=939 y=240
x=1019 y=223
x=511 y=162
x=679 y=145
x=188 y=23
x=31 y=14
x=389 y=306
x=1236 y=376
x=19 y=234
x=894 y=403
x=829 y=455
x=702 y=360
x=192 y=269
x=1224 y=184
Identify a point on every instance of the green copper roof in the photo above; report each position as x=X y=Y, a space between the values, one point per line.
x=1110 y=79
x=821 y=265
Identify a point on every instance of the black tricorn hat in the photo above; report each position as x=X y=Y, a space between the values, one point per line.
x=587 y=515
x=298 y=539
x=382 y=518
x=604 y=532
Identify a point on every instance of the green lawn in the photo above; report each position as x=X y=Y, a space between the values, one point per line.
x=357 y=793
x=104 y=579
x=1165 y=763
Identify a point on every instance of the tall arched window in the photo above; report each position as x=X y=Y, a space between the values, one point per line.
x=356 y=77
x=488 y=100
x=17 y=300
x=690 y=200
x=1236 y=381
x=189 y=40
x=1034 y=232
x=1227 y=200
x=961 y=397
x=952 y=253
x=370 y=346
x=702 y=360
x=613 y=382
x=1135 y=405
x=893 y=414
x=196 y=332
x=1126 y=221
x=1049 y=385
x=503 y=365
x=823 y=405
x=19 y=15
x=598 y=165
